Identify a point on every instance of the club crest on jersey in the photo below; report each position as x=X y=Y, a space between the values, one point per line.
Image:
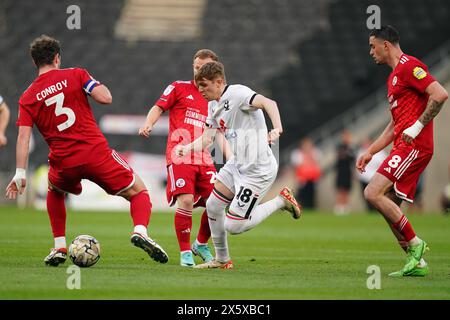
x=226 y=106
x=394 y=81
x=222 y=125
x=168 y=89
x=180 y=183
x=419 y=73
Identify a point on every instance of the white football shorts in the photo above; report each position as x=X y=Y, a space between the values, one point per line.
x=248 y=190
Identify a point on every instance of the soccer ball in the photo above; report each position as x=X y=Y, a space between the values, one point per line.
x=84 y=251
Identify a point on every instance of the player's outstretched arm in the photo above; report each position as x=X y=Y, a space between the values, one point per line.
x=199 y=144
x=385 y=138
x=223 y=144
x=152 y=117
x=438 y=96
x=101 y=94
x=18 y=182
x=4 y=120
x=271 y=108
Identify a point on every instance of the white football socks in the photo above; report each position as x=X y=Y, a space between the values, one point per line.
x=60 y=242
x=414 y=241
x=258 y=215
x=262 y=211
x=216 y=217
x=422 y=263
x=140 y=229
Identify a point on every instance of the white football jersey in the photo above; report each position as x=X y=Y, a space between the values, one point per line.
x=245 y=129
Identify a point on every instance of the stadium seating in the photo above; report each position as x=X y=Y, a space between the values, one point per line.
x=310 y=56
x=336 y=70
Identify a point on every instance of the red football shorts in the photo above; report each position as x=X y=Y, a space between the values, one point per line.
x=403 y=167
x=190 y=179
x=112 y=173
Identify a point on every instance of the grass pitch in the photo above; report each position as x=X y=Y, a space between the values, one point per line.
x=320 y=256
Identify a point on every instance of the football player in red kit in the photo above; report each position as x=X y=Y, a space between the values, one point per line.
x=57 y=104
x=189 y=180
x=415 y=98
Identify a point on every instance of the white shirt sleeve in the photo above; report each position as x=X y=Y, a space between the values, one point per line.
x=1 y=99
x=210 y=121
x=245 y=96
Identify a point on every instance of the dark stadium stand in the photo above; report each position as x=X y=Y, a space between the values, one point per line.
x=336 y=70
x=310 y=56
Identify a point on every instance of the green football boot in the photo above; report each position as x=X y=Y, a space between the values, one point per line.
x=418 y=272
x=396 y=274
x=414 y=265
x=187 y=259
x=414 y=254
x=202 y=250
x=421 y=270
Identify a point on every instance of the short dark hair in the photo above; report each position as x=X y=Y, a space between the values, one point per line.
x=210 y=71
x=206 y=53
x=43 y=50
x=388 y=33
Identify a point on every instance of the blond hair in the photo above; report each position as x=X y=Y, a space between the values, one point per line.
x=210 y=71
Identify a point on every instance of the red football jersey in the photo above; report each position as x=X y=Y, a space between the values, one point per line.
x=188 y=113
x=408 y=100
x=56 y=102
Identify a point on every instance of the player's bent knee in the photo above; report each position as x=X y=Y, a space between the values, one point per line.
x=214 y=207
x=367 y=194
x=137 y=187
x=51 y=187
x=370 y=194
x=185 y=201
x=235 y=226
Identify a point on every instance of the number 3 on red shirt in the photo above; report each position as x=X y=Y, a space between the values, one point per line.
x=60 y=110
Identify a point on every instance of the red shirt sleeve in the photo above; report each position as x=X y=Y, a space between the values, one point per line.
x=416 y=75
x=24 y=118
x=168 y=98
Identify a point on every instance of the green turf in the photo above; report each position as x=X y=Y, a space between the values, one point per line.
x=320 y=256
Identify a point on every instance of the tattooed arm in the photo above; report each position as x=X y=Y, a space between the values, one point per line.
x=438 y=95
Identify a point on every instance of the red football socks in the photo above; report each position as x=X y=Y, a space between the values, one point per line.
x=183 y=225
x=404 y=227
x=204 y=233
x=140 y=208
x=56 y=209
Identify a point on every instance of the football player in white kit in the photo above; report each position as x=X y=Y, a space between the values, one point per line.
x=248 y=174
